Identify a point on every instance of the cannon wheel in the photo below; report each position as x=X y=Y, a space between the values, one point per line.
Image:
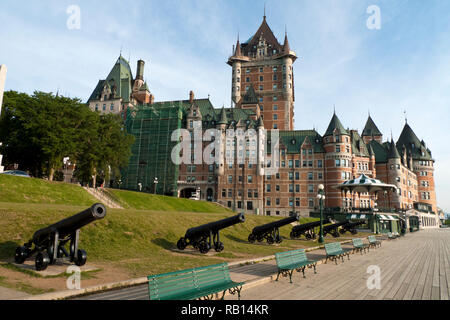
x=82 y=257
x=42 y=261
x=308 y=236
x=251 y=238
x=270 y=240
x=21 y=255
x=182 y=244
x=204 y=247
x=342 y=231
x=219 y=247
x=354 y=232
x=292 y=235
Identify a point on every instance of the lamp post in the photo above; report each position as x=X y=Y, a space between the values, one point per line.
x=156 y=183
x=321 y=197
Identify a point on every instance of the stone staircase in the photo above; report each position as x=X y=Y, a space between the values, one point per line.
x=103 y=197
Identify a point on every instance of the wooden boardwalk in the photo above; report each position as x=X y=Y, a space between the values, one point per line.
x=415 y=267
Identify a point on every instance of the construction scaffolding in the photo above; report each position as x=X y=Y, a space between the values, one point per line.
x=152 y=126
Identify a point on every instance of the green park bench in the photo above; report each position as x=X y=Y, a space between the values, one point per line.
x=193 y=284
x=334 y=251
x=358 y=245
x=289 y=261
x=373 y=242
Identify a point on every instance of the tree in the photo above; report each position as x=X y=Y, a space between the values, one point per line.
x=38 y=131
x=107 y=149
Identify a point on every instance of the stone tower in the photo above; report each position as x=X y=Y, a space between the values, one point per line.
x=263 y=68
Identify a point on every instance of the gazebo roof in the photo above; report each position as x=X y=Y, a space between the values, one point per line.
x=365 y=184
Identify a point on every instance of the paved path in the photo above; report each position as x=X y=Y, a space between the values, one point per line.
x=414 y=267
x=10 y=294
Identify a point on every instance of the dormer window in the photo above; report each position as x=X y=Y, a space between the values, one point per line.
x=194 y=113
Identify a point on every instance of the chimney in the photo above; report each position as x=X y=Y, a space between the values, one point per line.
x=191 y=97
x=140 y=70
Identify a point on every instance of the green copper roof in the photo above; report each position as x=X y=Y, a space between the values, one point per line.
x=359 y=148
x=121 y=77
x=371 y=129
x=335 y=124
x=223 y=117
x=380 y=151
x=393 y=152
x=293 y=140
x=409 y=139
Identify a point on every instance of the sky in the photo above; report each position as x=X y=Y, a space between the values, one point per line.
x=399 y=70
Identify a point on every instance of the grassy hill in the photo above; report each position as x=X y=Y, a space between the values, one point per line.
x=142 y=242
x=145 y=201
x=137 y=241
x=31 y=190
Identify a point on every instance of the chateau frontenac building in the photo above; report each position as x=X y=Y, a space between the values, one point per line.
x=263 y=98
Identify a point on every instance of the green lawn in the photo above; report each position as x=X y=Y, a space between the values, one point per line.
x=30 y=190
x=142 y=242
x=145 y=201
x=140 y=239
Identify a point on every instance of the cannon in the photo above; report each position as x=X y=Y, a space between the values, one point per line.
x=49 y=243
x=271 y=231
x=307 y=230
x=204 y=237
x=351 y=227
x=333 y=229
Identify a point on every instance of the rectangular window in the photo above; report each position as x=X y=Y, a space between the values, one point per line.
x=310 y=176
x=261 y=78
x=319 y=163
x=297 y=188
x=275 y=107
x=250 y=205
x=269 y=188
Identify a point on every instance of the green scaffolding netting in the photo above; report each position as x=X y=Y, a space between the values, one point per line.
x=151 y=153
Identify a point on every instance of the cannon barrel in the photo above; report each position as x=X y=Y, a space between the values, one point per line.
x=334 y=226
x=309 y=225
x=275 y=224
x=214 y=226
x=70 y=225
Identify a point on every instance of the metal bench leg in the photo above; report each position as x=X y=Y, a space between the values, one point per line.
x=290 y=275
x=303 y=270
x=315 y=271
x=278 y=275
